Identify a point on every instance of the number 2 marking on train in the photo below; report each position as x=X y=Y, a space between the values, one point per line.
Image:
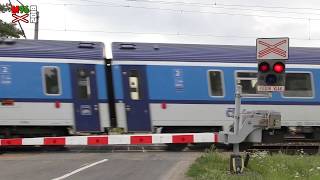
x=4 y=69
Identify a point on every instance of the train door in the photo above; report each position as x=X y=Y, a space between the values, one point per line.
x=85 y=100
x=135 y=97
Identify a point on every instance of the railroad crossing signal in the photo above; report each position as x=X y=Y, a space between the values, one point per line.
x=271 y=75
x=271 y=55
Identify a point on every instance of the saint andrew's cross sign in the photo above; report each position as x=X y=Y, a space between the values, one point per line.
x=272 y=48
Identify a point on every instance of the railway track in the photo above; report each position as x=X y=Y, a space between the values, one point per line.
x=288 y=147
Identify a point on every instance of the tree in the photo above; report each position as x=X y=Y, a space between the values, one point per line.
x=8 y=29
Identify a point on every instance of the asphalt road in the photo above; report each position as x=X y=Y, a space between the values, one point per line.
x=95 y=166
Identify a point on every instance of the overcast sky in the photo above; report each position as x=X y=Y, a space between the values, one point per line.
x=176 y=21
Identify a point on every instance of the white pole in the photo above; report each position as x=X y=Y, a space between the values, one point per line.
x=237 y=116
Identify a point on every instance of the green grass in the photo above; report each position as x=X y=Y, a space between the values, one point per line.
x=214 y=165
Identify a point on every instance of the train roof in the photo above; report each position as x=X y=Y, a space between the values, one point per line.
x=52 y=49
x=128 y=51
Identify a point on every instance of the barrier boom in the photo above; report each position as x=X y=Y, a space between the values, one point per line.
x=114 y=139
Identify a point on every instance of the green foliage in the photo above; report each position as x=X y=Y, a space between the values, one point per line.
x=4 y=8
x=215 y=165
x=8 y=29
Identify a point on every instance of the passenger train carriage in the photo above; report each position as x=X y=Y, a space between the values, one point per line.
x=61 y=87
x=51 y=87
x=190 y=88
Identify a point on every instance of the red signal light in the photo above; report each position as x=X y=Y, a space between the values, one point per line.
x=278 y=67
x=264 y=67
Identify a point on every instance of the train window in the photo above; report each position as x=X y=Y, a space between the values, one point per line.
x=84 y=89
x=248 y=81
x=298 y=85
x=252 y=75
x=134 y=85
x=51 y=80
x=216 y=83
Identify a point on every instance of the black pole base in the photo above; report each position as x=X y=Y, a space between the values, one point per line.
x=236 y=164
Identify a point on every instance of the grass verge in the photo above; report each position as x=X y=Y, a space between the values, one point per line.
x=214 y=165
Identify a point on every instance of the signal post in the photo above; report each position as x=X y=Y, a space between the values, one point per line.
x=271 y=56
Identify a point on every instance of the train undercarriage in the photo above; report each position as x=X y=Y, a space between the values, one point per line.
x=33 y=131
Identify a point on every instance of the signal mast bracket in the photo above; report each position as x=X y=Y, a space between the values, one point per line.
x=253 y=122
x=248 y=127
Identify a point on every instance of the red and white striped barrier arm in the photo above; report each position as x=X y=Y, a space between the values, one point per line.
x=114 y=139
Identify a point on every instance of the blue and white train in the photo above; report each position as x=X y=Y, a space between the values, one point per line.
x=52 y=87
x=63 y=87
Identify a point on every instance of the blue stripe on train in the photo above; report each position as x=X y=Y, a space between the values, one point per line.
x=196 y=86
x=26 y=81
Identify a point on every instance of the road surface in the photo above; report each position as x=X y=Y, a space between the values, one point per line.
x=95 y=166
